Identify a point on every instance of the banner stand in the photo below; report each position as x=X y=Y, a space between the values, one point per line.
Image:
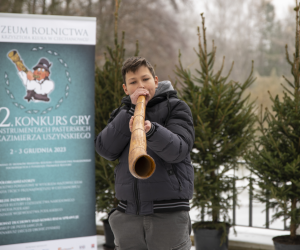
x=47 y=165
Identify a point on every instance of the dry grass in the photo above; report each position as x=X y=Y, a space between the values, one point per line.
x=264 y=84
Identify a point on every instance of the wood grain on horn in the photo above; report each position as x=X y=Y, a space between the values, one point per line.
x=141 y=165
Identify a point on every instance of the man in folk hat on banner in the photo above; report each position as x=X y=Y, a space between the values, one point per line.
x=37 y=83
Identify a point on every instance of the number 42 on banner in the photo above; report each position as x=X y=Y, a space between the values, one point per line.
x=2 y=124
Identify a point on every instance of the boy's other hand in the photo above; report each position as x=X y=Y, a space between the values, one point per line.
x=131 y=123
x=147 y=124
x=137 y=93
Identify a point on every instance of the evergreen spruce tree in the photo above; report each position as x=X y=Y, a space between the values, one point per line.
x=276 y=156
x=108 y=95
x=223 y=120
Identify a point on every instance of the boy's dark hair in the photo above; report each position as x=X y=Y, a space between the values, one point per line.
x=133 y=64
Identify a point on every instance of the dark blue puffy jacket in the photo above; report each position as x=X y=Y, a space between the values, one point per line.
x=171 y=185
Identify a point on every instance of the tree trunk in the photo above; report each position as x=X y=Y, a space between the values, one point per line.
x=67 y=9
x=33 y=6
x=116 y=202
x=293 y=227
x=215 y=210
x=52 y=7
x=44 y=7
x=5 y=6
x=29 y=7
x=89 y=8
x=17 y=6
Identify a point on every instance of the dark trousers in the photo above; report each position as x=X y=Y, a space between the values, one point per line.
x=159 y=231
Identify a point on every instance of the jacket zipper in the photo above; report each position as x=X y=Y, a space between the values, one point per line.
x=180 y=187
x=136 y=196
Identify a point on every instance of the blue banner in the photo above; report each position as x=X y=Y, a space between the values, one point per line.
x=47 y=172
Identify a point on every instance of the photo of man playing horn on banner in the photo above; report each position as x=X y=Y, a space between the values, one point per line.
x=37 y=83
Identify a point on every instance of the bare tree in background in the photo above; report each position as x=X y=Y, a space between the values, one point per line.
x=249 y=30
x=270 y=49
x=243 y=30
x=157 y=32
x=154 y=23
x=233 y=28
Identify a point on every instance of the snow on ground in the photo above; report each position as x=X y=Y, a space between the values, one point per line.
x=101 y=241
x=244 y=233
x=257 y=233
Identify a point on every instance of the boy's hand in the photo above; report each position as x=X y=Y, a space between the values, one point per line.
x=147 y=124
x=137 y=93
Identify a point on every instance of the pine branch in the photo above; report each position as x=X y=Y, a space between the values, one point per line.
x=287 y=55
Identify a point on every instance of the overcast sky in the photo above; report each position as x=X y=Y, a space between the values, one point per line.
x=282 y=6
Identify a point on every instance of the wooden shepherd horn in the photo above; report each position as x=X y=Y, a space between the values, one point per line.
x=141 y=165
x=15 y=57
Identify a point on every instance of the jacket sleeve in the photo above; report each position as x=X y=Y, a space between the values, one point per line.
x=175 y=141
x=112 y=140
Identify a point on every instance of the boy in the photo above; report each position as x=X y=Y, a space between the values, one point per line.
x=153 y=214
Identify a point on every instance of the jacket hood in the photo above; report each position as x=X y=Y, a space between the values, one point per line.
x=163 y=86
x=164 y=90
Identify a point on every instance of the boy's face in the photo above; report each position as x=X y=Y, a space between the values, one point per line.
x=141 y=78
x=40 y=73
